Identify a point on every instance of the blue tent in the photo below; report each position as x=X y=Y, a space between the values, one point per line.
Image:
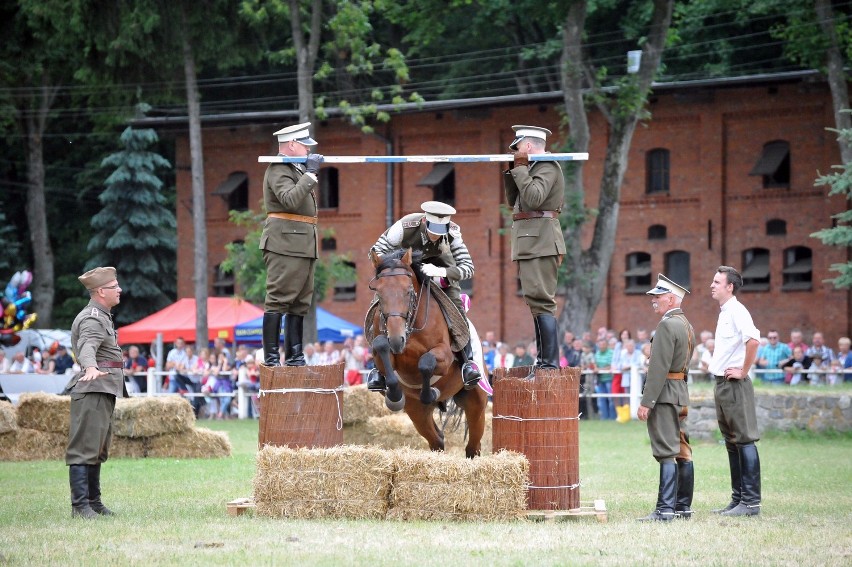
x=329 y=328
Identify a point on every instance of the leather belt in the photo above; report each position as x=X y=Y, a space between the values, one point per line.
x=676 y=376
x=720 y=379
x=535 y=215
x=293 y=217
x=110 y=364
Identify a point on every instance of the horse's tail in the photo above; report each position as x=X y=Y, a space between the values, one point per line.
x=452 y=417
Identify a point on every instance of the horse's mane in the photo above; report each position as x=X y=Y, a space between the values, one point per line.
x=394 y=260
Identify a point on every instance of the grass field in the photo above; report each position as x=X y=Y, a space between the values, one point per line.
x=172 y=512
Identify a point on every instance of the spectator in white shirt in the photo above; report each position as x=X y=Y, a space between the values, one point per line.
x=21 y=364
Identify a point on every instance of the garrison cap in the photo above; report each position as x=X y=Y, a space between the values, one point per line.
x=297 y=133
x=522 y=132
x=437 y=216
x=665 y=285
x=97 y=277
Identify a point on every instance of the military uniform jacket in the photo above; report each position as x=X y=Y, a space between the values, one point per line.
x=671 y=351
x=93 y=339
x=539 y=187
x=286 y=189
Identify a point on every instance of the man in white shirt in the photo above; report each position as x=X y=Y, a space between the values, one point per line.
x=737 y=340
x=21 y=364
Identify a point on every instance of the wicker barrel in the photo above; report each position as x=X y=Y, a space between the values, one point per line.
x=538 y=416
x=301 y=406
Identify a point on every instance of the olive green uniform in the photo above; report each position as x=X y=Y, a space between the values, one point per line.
x=289 y=246
x=94 y=341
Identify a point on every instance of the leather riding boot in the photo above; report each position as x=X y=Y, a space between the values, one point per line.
x=685 y=487
x=470 y=371
x=78 y=476
x=666 y=496
x=375 y=381
x=271 y=333
x=537 y=362
x=750 y=468
x=95 y=492
x=548 y=354
x=293 y=340
x=736 y=478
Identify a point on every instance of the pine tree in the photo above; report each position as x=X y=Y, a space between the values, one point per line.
x=135 y=232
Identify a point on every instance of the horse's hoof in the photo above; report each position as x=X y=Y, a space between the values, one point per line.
x=395 y=405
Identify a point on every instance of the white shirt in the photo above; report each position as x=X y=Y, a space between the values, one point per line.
x=733 y=330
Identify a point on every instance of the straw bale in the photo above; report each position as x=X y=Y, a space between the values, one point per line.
x=8 y=417
x=437 y=486
x=129 y=448
x=44 y=412
x=337 y=482
x=200 y=443
x=360 y=404
x=32 y=445
x=394 y=431
x=148 y=416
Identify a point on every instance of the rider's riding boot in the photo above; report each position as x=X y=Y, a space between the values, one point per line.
x=470 y=371
x=293 y=340
x=547 y=331
x=271 y=332
x=375 y=381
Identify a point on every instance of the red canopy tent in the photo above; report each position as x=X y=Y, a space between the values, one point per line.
x=178 y=320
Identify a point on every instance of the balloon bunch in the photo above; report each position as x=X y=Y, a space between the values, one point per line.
x=15 y=302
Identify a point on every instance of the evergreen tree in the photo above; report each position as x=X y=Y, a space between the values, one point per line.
x=134 y=231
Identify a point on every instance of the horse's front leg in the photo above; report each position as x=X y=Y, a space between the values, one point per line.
x=426 y=366
x=394 y=400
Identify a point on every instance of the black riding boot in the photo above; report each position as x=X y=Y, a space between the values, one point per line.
x=293 y=340
x=667 y=495
x=750 y=469
x=547 y=331
x=78 y=475
x=470 y=371
x=95 y=492
x=736 y=478
x=375 y=381
x=685 y=487
x=271 y=334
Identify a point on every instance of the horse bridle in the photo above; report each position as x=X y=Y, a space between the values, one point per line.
x=413 y=302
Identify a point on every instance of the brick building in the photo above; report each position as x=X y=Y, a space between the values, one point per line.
x=722 y=174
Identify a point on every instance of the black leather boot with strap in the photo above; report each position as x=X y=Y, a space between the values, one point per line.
x=95 y=492
x=666 y=496
x=293 y=340
x=750 y=495
x=470 y=371
x=78 y=476
x=271 y=333
x=547 y=329
x=375 y=381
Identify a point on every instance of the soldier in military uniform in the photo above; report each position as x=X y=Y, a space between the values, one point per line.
x=535 y=191
x=445 y=259
x=664 y=398
x=289 y=243
x=93 y=392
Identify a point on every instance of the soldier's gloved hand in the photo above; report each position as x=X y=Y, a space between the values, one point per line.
x=521 y=158
x=433 y=271
x=313 y=162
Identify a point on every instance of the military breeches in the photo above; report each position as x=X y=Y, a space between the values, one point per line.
x=735 y=411
x=289 y=283
x=685 y=454
x=664 y=431
x=538 y=282
x=90 y=432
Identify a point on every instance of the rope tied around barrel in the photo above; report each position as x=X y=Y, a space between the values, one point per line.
x=517 y=418
x=334 y=391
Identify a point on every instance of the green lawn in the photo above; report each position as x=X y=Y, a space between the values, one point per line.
x=172 y=512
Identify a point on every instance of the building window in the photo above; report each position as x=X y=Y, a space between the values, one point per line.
x=756 y=271
x=442 y=180
x=637 y=277
x=657 y=232
x=798 y=262
x=345 y=290
x=329 y=188
x=776 y=227
x=328 y=244
x=223 y=284
x=677 y=267
x=657 y=171
x=234 y=191
x=774 y=165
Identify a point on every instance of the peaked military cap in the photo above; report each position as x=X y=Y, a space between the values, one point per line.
x=437 y=216
x=297 y=133
x=522 y=132
x=97 y=277
x=665 y=285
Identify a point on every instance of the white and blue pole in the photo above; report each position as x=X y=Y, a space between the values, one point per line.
x=428 y=158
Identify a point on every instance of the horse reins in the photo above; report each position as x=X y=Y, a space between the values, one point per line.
x=413 y=302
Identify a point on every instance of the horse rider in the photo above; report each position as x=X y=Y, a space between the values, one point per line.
x=445 y=259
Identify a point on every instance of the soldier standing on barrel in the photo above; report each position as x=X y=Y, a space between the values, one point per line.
x=536 y=191
x=93 y=392
x=289 y=243
x=664 y=400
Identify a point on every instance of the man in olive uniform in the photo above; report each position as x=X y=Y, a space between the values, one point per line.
x=289 y=243
x=445 y=259
x=535 y=191
x=93 y=392
x=664 y=397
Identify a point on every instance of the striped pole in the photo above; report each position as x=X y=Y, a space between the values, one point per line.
x=428 y=159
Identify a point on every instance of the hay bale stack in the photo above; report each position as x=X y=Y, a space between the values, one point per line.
x=44 y=412
x=394 y=431
x=149 y=416
x=200 y=443
x=128 y=448
x=32 y=445
x=337 y=482
x=360 y=404
x=437 y=486
x=8 y=417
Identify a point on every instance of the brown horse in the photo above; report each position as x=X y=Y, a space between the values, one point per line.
x=412 y=350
